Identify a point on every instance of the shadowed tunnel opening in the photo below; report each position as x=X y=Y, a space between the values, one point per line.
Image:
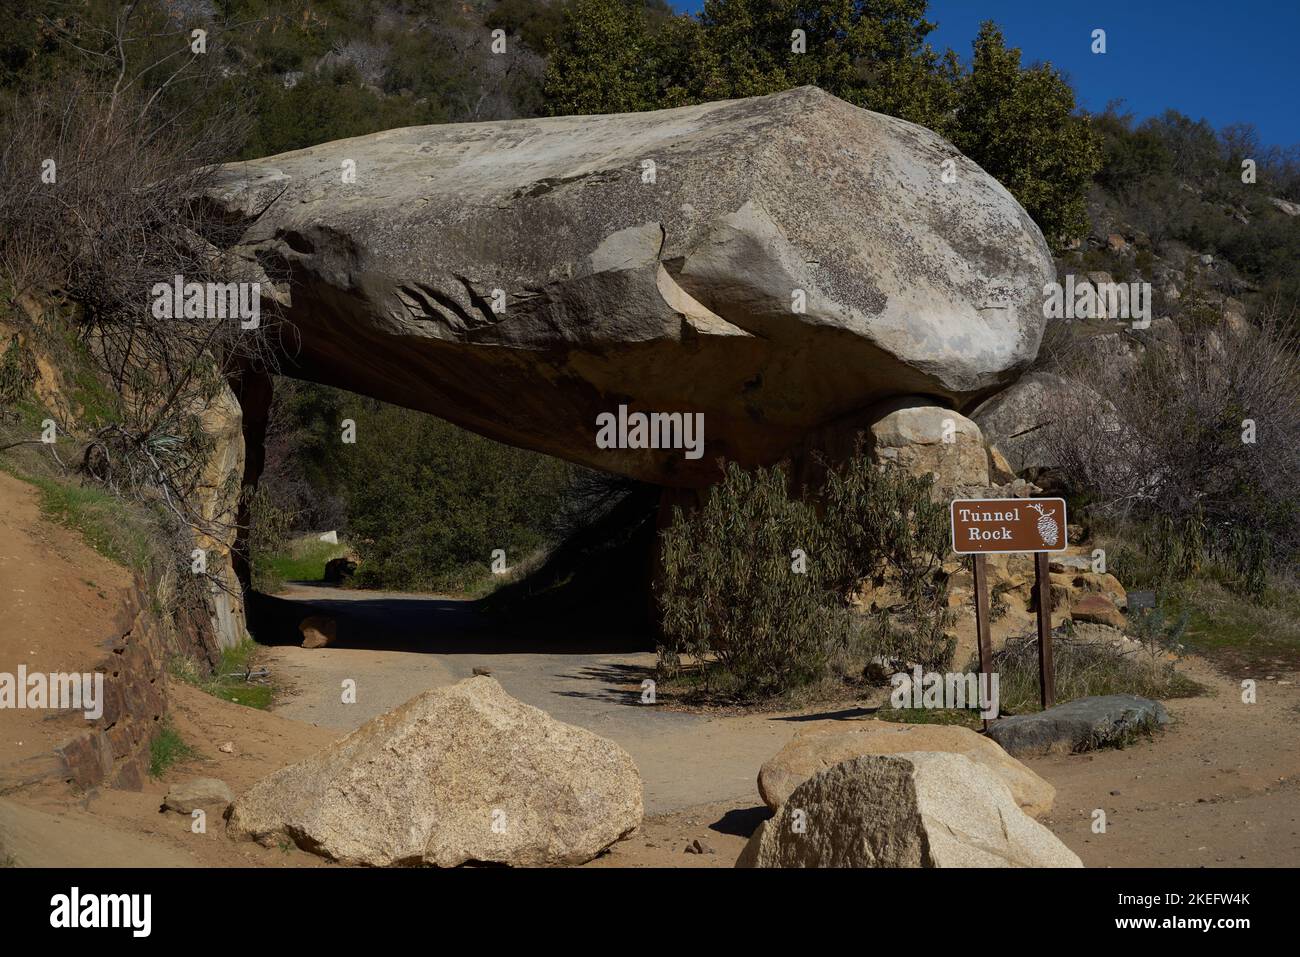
x=587 y=588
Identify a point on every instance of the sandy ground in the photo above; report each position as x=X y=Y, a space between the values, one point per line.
x=59 y=599
x=1220 y=788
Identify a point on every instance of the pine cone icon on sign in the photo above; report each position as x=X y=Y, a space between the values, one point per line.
x=1048 y=530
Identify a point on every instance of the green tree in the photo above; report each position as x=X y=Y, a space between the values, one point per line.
x=608 y=58
x=871 y=53
x=1021 y=127
x=731 y=599
x=325 y=106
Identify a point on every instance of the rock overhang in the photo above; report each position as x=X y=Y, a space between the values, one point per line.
x=776 y=263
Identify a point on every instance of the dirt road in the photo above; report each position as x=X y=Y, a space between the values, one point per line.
x=1220 y=788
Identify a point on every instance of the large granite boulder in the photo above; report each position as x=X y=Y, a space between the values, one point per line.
x=912 y=809
x=776 y=264
x=809 y=753
x=457 y=774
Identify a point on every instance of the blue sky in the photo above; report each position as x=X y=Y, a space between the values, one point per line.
x=1225 y=62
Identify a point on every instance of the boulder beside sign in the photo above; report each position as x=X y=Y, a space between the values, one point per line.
x=1008 y=525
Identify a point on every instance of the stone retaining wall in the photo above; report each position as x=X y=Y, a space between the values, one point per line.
x=114 y=749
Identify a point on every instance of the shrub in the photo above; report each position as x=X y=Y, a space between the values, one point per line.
x=422 y=502
x=428 y=503
x=755 y=584
x=1199 y=442
x=1084 y=669
x=732 y=597
x=269 y=531
x=888 y=530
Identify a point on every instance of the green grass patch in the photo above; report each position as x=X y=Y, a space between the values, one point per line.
x=302 y=559
x=249 y=695
x=962 y=717
x=226 y=681
x=166 y=749
x=1241 y=635
x=109 y=525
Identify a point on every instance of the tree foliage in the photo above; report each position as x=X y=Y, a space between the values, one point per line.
x=1019 y=124
x=423 y=503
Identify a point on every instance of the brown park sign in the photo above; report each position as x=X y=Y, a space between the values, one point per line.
x=1007 y=525
x=983 y=526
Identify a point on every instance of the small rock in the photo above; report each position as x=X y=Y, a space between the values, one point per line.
x=339 y=569
x=1098 y=609
x=227 y=748
x=1000 y=470
x=1067 y=564
x=318 y=631
x=188 y=796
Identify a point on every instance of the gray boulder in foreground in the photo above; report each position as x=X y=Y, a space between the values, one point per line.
x=779 y=264
x=457 y=774
x=910 y=809
x=1079 y=725
x=808 y=753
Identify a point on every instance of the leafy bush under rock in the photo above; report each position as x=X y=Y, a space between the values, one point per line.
x=756 y=584
x=731 y=597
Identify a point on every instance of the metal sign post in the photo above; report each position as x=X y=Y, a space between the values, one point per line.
x=1004 y=526
x=979 y=570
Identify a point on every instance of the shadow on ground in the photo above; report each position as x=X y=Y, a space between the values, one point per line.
x=741 y=822
x=417 y=623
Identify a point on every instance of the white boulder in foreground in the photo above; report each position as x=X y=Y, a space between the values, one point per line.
x=457 y=774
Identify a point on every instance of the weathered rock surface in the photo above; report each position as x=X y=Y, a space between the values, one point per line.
x=777 y=263
x=457 y=774
x=925 y=439
x=1097 y=609
x=208 y=794
x=912 y=809
x=1015 y=420
x=1079 y=725
x=217 y=499
x=812 y=752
